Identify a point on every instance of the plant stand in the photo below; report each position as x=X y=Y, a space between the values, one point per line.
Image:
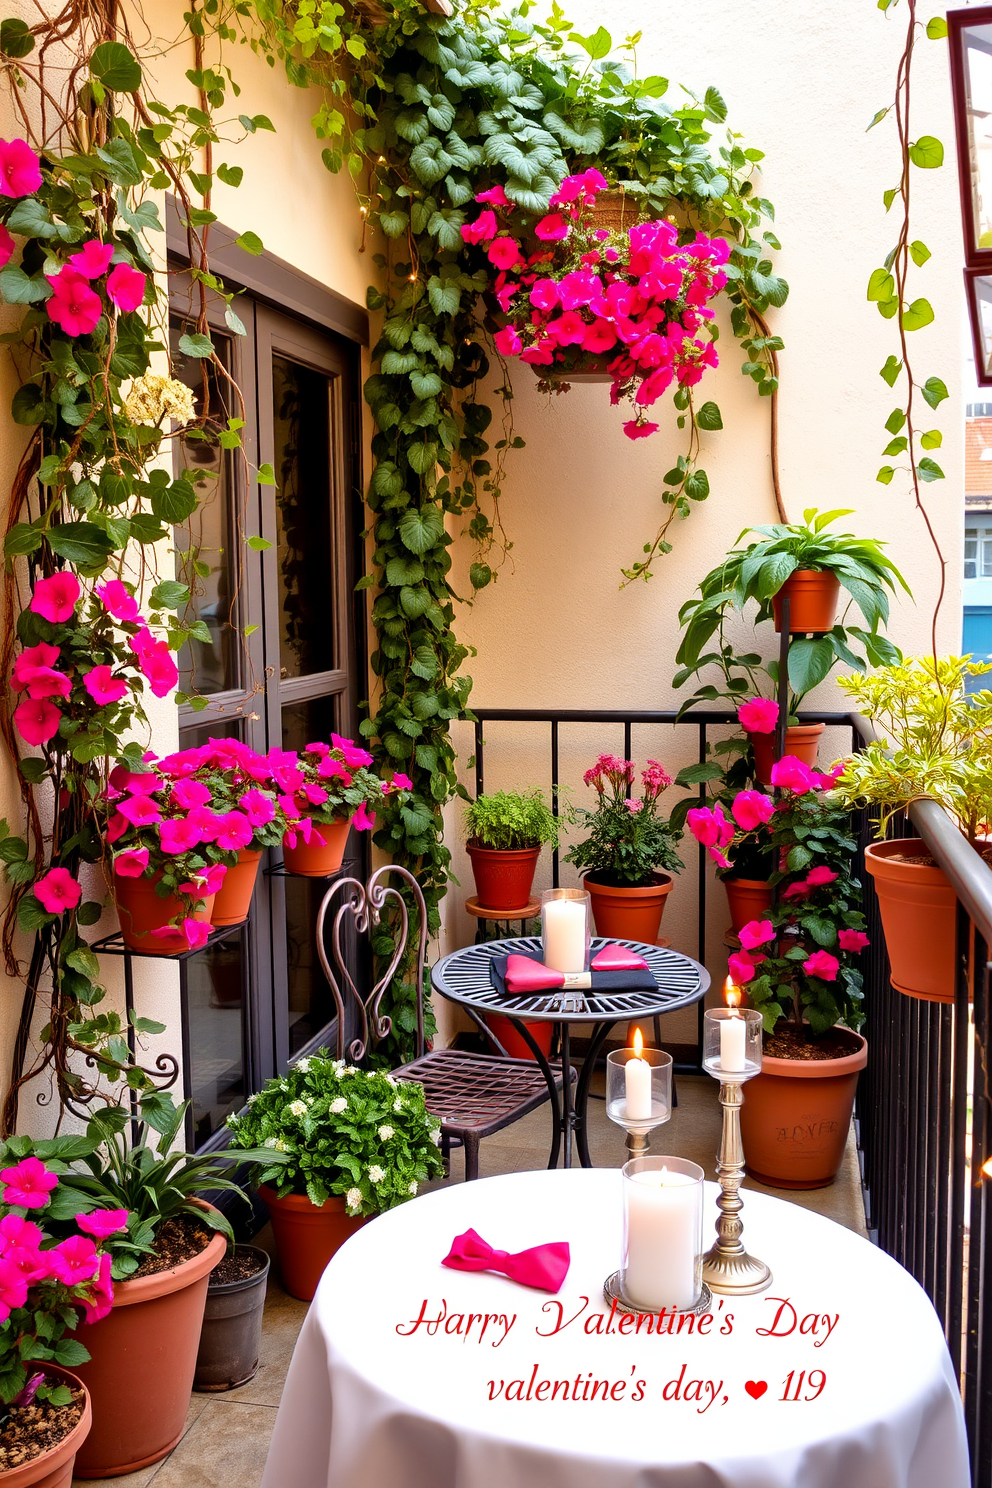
x=501 y=919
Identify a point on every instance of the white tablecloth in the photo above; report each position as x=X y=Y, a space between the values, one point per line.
x=366 y=1407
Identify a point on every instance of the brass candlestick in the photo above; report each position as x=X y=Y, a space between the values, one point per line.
x=727 y=1267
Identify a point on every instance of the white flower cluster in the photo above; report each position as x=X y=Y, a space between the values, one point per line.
x=436 y=1135
x=276 y=1143
x=376 y=1174
x=385 y=1132
x=338 y=1104
x=353 y=1199
x=303 y=1064
x=413 y=1187
x=297 y=1108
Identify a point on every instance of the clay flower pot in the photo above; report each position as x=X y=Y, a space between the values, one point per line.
x=796 y=1116
x=54 y=1468
x=322 y=855
x=141 y=911
x=513 y=1042
x=307 y=1235
x=233 y=899
x=748 y=899
x=802 y=741
x=918 y=909
x=142 y=1359
x=629 y=914
x=503 y=877
x=231 y=1336
x=813 y=595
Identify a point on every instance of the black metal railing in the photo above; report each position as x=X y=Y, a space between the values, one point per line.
x=924 y=1109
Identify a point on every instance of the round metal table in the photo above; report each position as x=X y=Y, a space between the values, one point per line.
x=464 y=978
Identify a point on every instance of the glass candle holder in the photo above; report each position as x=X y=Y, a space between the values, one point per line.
x=566 y=930
x=732 y=1044
x=639 y=1088
x=662 y=1233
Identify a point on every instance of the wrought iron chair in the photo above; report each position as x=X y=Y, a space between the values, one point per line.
x=474 y=1095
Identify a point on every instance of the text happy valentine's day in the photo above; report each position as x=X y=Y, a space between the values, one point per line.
x=782 y=1318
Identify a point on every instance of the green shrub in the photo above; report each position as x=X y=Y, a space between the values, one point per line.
x=509 y=820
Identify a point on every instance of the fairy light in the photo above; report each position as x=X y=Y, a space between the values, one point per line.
x=987 y=1168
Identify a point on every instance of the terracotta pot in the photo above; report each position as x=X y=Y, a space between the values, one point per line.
x=802 y=741
x=813 y=596
x=918 y=909
x=233 y=899
x=142 y=1359
x=141 y=911
x=796 y=1116
x=53 y=1469
x=231 y=1336
x=748 y=899
x=307 y=1235
x=322 y=855
x=514 y=1043
x=629 y=914
x=503 y=877
x=578 y=376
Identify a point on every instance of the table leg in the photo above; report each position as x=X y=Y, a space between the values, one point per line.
x=599 y=1035
x=567 y=1114
x=557 y=1116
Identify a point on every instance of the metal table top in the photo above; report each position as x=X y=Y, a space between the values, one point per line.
x=463 y=977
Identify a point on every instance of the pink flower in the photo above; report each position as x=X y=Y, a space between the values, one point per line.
x=13 y=1287
x=797 y=891
x=821 y=964
x=140 y=811
x=482 y=229
x=400 y=782
x=20 y=168
x=655 y=779
x=234 y=831
x=207 y=883
x=508 y=342
x=544 y=294
x=41 y=655
x=363 y=819
x=55 y=598
x=37 y=721
x=16 y=1231
x=156 y=663
x=818 y=877
x=258 y=807
x=197 y=932
x=28 y=1184
x=117 y=826
x=73 y=305
x=103 y=687
x=190 y=793
x=633 y=805
x=322 y=749
x=117 y=600
x=791 y=774
x=7 y=246
x=496 y=195
x=825 y=782
x=315 y=795
x=852 y=940
x=101 y=1295
x=206 y=822
x=180 y=835
x=567 y=329
x=707 y=824
x=75 y=1260
x=635 y=430
x=504 y=253
x=758 y=716
x=33 y=1264
x=751 y=809
x=126 y=287
x=600 y=336
x=352 y=754
x=40 y=681
x=756 y=933
x=741 y=968
x=93 y=259
x=131 y=863
x=332 y=769
x=553 y=228
x=299 y=829
x=58 y=891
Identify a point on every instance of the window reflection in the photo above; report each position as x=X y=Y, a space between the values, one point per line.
x=978 y=78
x=216 y=1000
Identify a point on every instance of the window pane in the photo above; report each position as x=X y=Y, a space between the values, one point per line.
x=302 y=437
x=986 y=559
x=209 y=536
x=307 y=722
x=977 y=41
x=201 y=733
x=215 y=996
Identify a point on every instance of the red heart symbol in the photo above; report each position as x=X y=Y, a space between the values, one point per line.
x=755 y=1388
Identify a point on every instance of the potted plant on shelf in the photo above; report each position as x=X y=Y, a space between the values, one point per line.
x=506 y=831
x=628 y=850
x=798 y=965
x=242 y=784
x=334 y=790
x=333 y=1145
x=231 y=1335
x=937 y=743
x=47 y=1278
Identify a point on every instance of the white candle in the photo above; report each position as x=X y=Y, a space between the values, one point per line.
x=733 y=1033
x=565 y=935
x=637 y=1084
x=662 y=1228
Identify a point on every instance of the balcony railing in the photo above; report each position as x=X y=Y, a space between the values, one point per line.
x=924 y=1108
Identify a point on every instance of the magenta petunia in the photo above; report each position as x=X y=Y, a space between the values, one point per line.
x=28 y=1184
x=791 y=774
x=756 y=933
x=635 y=429
x=205 y=821
x=7 y=246
x=400 y=782
x=190 y=793
x=852 y=940
x=118 y=600
x=234 y=831
x=93 y=259
x=58 y=890
x=363 y=819
x=101 y=1293
x=179 y=835
x=751 y=808
x=553 y=228
x=496 y=195
x=156 y=662
x=13 y=1288
x=197 y=933
x=20 y=168
x=507 y=341
x=544 y=294
x=131 y=863
x=758 y=715
x=72 y=304
x=40 y=682
x=37 y=720
x=332 y=769
x=818 y=877
x=56 y=598
x=504 y=253
x=126 y=287
x=741 y=967
x=15 y=1230
x=139 y=810
x=208 y=882
x=102 y=1222
x=103 y=687
x=41 y=655
x=258 y=807
x=117 y=826
x=600 y=336
x=821 y=964
x=74 y=1261
x=482 y=229
x=353 y=754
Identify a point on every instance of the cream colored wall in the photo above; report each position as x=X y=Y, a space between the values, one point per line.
x=801 y=83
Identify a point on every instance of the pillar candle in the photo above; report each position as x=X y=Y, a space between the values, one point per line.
x=637 y=1090
x=662 y=1230
x=565 y=935
x=733 y=1035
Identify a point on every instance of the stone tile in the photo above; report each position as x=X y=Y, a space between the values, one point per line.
x=225 y=1448
x=145 y=1476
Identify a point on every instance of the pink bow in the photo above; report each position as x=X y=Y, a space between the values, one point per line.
x=525 y=975
x=543 y=1266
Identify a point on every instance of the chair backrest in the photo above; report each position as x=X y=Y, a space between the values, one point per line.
x=365 y=903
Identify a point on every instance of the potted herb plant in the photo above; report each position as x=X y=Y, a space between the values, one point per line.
x=798 y=965
x=332 y=1145
x=231 y=1335
x=334 y=789
x=628 y=850
x=937 y=743
x=48 y=1277
x=506 y=831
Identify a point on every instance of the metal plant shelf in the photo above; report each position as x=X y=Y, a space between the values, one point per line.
x=113 y=945
x=279 y=870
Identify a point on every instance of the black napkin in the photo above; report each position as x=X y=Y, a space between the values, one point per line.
x=602 y=981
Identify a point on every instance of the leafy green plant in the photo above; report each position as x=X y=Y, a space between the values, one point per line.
x=937 y=741
x=507 y=820
x=628 y=836
x=327 y=1128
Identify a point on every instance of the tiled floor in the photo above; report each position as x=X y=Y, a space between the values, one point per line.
x=227 y=1436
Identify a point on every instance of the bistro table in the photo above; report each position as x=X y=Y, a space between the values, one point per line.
x=410 y=1375
x=464 y=978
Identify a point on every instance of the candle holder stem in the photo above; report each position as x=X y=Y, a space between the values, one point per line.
x=638 y=1142
x=727 y=1267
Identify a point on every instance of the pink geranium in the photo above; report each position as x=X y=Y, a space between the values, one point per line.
x=103 y=687
x=58 y=891
x=126 y=287
x=55 y=598
x=758 y=716
x=28 y=1184
x=852 y=940
x=37 y=721
x=821 y=964
x=756 y=933
x=751 y=809
x=93 y=259
x=103 y=1222
x=118 y=600
x=20 y=168
x=73 y=305
x=791 y=774
x=131 y=863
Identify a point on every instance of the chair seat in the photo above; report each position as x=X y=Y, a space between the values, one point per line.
x=478 y=1092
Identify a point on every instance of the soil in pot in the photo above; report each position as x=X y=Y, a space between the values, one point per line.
x=802 y=741
x=38 y=1442
x=233 y=898
x=231 y=1337
x=306 y=1235
x=143 y=1354
x=141 y=911
x=629 y=913
x=322 y=855
x=813 y=594
x=919 y=911
x=503 y=878
x=797 y=1113
x=747 y=899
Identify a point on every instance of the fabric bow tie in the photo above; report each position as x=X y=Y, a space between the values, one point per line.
x=525 y=975
x=543 y=1266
